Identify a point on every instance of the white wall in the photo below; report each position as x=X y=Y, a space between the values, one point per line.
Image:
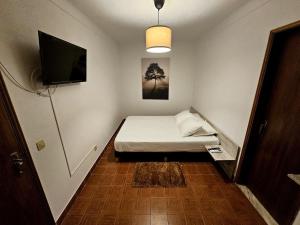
x=88 y=113
x=182 y=69
x=297 y=220
x=229 y=61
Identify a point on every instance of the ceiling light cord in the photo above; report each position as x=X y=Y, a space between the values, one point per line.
x=158 y=17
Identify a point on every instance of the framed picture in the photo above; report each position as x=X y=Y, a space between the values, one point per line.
x=155 y=78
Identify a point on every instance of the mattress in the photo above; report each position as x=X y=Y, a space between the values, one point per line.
x=157 y=134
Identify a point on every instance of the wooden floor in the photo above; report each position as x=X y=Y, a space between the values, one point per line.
x=108 y=198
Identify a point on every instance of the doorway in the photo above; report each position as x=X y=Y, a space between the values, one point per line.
x=272 y=146
x=22 y=200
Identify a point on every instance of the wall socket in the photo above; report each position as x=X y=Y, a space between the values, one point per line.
x=95 y=148
x=40 y=145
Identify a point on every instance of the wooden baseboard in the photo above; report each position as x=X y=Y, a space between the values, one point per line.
x=64 y=213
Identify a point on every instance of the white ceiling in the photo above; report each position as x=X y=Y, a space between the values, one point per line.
x=126 y=20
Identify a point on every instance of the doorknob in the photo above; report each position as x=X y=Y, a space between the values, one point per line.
x=262 y=127
x=17 y=162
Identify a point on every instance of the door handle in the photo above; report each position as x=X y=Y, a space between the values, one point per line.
x=17 y=162
x=262 y=127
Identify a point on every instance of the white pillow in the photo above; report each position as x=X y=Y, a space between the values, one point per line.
x=189 y=126
x=206 y=128
x=182 y=116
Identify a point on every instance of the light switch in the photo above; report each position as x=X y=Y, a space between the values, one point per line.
x=40 y=145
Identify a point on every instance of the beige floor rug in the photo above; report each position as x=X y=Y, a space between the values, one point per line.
x=164 y=174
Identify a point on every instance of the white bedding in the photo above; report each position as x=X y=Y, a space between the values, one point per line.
x=157 y=134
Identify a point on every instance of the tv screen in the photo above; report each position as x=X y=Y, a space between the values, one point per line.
x=62 y=62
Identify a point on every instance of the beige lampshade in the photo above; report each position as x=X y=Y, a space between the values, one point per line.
x=158 y=39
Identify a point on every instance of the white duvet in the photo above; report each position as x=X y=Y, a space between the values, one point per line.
x=157 y=134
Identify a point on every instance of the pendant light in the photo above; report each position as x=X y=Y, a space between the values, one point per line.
x=158 y=37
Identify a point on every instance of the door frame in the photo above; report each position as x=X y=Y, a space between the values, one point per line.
x=247 y=153
x=23 y=148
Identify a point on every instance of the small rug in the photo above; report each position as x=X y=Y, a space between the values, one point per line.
x=164 y=174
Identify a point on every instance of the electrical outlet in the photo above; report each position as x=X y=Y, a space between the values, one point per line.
x=40 y=145
x=95 y=148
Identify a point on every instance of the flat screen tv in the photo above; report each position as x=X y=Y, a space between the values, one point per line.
x=62 y=62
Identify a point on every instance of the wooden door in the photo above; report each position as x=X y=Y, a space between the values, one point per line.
x=273 y=148
x=22 y=201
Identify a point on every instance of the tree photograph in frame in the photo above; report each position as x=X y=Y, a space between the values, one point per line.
x=155 y=78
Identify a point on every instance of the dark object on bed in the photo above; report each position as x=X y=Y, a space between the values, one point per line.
x=164 y=174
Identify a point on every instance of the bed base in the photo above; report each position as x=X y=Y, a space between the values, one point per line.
x=169 y=157
x=163 y=156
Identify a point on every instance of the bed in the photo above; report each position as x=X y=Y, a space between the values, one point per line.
x=157 y=134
